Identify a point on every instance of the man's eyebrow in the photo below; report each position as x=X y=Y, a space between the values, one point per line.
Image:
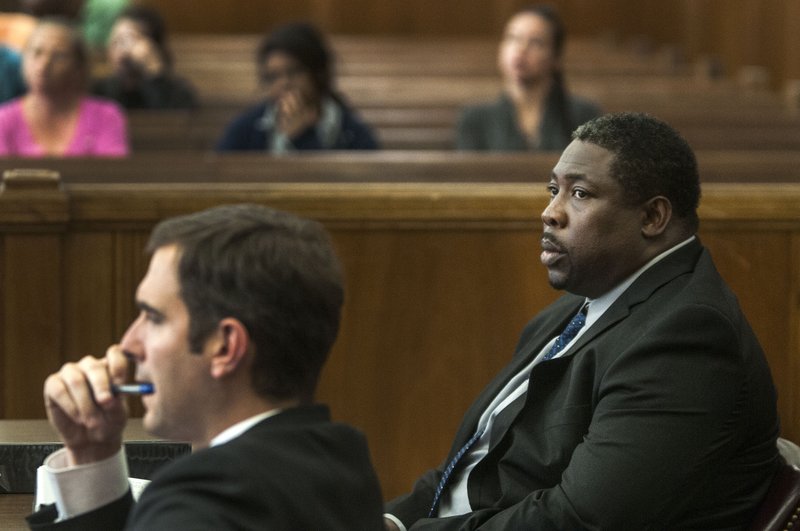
x=574 y=176
x=143 y=306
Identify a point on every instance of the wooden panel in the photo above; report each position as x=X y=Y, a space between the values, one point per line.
x=32 y=327
x=773 y=40
x=753 y=32
x=13 y=509
x=88 y=270
x=129 y=267
x=791 y=30
x=231 y=16
x=430 y=317
x=758 y=268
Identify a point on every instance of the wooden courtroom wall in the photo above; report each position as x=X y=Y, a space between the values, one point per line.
x=440 y=280
x=737 y=34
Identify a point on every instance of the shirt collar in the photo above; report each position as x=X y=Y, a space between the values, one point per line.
x=599 y=305
x=240 y=427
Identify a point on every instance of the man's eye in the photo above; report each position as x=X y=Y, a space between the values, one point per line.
x=580 y=194
x=552 y=190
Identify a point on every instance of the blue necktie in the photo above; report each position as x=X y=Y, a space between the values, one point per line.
x=568 y=334
x=448 y=471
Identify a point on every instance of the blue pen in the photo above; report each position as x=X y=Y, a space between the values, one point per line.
x=133 y=389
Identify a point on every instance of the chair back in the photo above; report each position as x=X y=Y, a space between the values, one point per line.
x=780 y=510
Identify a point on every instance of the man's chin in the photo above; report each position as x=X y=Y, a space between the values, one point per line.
x=556 y=280
x=151 y=425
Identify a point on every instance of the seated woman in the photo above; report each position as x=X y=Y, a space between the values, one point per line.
x=142 y=76
x=535 y=111
x=56 y=117
x=302 y=110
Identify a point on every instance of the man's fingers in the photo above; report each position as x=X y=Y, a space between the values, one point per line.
x=96 y=381
x=58 y=399
x=118 y=364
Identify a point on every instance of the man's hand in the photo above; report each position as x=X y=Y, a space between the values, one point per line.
x=81 y=406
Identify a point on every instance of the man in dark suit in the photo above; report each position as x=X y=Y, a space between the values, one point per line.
x=639 y=400
x=238 y=310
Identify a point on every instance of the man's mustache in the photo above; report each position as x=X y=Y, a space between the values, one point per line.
x=550 y=243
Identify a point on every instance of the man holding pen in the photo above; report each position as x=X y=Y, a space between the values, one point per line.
x=238 y=310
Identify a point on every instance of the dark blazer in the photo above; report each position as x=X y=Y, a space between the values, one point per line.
x=296 y=470
x=166 y=91
x=494 y=127
x=661 y=416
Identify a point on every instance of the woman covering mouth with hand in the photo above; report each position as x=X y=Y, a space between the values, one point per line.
x=302 y=110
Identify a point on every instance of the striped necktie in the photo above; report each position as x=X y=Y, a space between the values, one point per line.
x=568 y=334
x=448 y=471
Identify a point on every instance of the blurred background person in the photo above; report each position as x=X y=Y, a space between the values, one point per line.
x=141 y=63
x=11 y=83
x=56 y=117
x=98 y=17
x=535 y=111
x=302 y=110
x=16 y=25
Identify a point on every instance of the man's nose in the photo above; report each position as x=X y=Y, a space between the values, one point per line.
x=553 y=214
x=131 y=342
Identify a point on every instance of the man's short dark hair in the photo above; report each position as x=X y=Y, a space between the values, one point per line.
x=650 y=158
x=273 y=271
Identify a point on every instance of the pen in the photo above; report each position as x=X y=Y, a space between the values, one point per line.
x=132 y=389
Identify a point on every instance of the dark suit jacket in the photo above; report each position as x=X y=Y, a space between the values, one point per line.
x=661 y=416
x=247 y=133
x=293 y=471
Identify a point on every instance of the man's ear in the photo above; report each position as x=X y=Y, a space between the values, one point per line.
x=656 y=215
x=229 y=346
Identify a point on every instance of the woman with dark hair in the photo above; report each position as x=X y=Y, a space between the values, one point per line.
x=142 y=76
x=302 y=110
x=535 y=111
x=56 y=117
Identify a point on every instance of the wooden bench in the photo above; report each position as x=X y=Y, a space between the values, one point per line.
x=733 y=125
x=418 y=109
x=412 y=91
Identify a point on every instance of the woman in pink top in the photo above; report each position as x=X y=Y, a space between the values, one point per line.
x=56 y=118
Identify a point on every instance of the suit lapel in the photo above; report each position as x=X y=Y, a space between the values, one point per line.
x=674 y=265
x=548 y=329
x=678 y=263
x=551 y=326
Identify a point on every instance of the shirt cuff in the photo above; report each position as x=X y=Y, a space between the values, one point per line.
x=82 y=488
x=394 y=519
